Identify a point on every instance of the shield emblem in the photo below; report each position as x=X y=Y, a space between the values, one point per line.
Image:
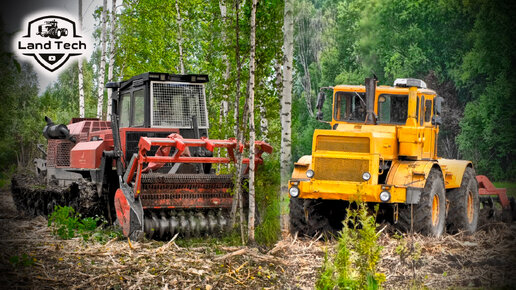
x=51 y=40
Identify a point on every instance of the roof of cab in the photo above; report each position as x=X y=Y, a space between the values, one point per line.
x=381 y=89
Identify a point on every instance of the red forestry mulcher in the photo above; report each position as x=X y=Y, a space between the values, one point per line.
x=150 y=168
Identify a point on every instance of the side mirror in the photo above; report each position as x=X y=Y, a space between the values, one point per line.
x=320 y=102
x=438 y=104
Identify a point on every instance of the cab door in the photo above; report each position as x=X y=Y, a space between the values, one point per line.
x=429 y=131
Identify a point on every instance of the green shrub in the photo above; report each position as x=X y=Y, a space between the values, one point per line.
x=354 y=264
x=67 y=224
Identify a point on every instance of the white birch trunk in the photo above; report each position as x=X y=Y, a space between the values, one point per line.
x=252 y=134
x=81 y=74
x=224 y=105
x=264 y=123
x=180 y=38
x=102 y=72
x=112 y=50
x=286 y=107
x=237 y=198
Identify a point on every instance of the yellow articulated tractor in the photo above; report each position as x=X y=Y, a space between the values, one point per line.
x=382 y=149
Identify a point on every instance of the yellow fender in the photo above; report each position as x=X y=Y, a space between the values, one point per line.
x=301 y=166
x=453 y=171
x=410 y=173
x=415 y=173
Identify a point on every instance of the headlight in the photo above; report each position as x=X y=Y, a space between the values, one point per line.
x=310 y=173
x=294 y=191
x=366 y=176
x=385 y=196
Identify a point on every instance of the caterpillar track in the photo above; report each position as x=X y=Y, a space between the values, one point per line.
x=33 y=196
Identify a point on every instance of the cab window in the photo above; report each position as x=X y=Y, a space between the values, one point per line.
x=125 y=111
x=392 y=109
x=350 y=107
x=428 y=110
x=139 y=109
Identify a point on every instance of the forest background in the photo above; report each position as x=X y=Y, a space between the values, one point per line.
x=463 y=49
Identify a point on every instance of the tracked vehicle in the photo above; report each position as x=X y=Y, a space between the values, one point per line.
x=150 y=169
x=382 y=149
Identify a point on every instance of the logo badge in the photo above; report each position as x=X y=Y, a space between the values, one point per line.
x=51 y=40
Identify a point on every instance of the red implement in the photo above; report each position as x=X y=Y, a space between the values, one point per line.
x=486 y=187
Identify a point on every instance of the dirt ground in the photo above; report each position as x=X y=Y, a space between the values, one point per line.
x=30 y=257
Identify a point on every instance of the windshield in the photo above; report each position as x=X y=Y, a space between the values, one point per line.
x=350 y=106
x=174 y=104
x=392 y=109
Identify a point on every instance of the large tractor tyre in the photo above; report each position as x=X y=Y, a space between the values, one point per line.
x=297 y=217
x=464 y=205
x=319 y=221
x=428 y=216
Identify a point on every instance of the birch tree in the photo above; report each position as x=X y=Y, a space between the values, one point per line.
x=81 y=74
x=102 y=65
x=252 y=135
x=286 y=107
x=180 y=38
x=237 y=197
x=112 y=51
x=224 y=105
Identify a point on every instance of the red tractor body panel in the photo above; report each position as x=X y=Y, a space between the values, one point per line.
x=88 y=155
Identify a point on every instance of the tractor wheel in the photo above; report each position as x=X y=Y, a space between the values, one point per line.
x=428 y=216
x=464 y=204
x=297 y=217
x=318 y=218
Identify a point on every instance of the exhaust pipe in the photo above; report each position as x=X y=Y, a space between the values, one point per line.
x=370 y=85
x=60 y=131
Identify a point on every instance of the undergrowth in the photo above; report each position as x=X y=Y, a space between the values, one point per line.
x=67 y=224
x=354 y=264
x=268 y=202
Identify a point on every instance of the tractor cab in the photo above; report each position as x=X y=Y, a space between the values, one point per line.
x=157 y=105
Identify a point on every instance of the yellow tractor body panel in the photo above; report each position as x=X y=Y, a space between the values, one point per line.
x=337 y=190
x=409 y=173
x=301 y=166
x=453 y=170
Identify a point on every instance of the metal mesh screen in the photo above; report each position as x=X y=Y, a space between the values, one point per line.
x=58 y=153
x=174 y=104
x=340 y=169
x=343 y=143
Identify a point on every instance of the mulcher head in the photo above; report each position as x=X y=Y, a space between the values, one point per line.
x=162 y=204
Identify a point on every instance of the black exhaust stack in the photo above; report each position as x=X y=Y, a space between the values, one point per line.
x=370 y=85
x=60 y=131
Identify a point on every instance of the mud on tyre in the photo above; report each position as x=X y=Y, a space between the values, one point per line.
x=464 y=204
x=428 y=216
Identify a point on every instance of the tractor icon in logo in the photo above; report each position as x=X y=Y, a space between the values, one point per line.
x=50 y=29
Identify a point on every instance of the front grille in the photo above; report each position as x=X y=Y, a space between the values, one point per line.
x=343 y=143
x=338 y=169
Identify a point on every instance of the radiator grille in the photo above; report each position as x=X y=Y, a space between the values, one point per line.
x=58 y=153
x=340 y=169
x=343 y=143
x=174 y=104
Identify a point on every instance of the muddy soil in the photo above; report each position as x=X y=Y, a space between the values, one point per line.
x=31 y=257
